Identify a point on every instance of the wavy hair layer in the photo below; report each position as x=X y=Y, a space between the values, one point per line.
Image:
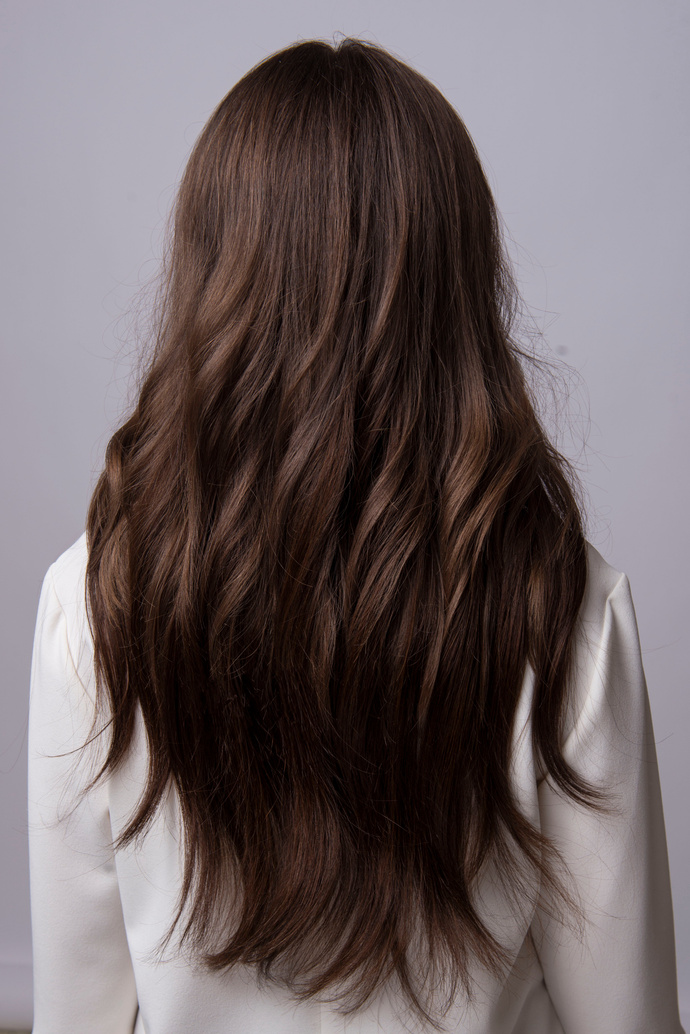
x=332 y=535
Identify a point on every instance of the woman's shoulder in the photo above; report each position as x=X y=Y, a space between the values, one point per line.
x=603 y=581
x=602 y=575
x=68 y=573
x=606 y=641
x=607 y=602
x=65 y=585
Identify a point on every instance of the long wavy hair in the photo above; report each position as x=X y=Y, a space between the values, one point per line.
x=332 y=537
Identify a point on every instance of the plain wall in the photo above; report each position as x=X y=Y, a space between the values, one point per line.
x=580 y=114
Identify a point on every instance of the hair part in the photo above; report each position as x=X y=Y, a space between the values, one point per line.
x=332 y=537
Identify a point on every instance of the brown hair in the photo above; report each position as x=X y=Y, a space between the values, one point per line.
x=332 y=536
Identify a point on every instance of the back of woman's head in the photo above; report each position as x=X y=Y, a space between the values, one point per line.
x=332 y=536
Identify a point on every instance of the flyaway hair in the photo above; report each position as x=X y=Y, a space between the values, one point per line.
x=332 y=537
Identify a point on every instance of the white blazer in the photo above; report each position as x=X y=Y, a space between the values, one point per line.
x=97 y=915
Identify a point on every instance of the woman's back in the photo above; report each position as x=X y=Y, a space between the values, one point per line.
x=98 y=916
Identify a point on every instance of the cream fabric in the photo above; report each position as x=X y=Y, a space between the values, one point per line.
x=97 y=915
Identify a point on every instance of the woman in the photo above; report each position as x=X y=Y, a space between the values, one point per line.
x=337 y=721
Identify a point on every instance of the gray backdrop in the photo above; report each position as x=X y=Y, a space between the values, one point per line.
x=580 y=113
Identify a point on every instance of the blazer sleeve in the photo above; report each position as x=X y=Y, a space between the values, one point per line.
x=83 y=976
x=620 y=976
